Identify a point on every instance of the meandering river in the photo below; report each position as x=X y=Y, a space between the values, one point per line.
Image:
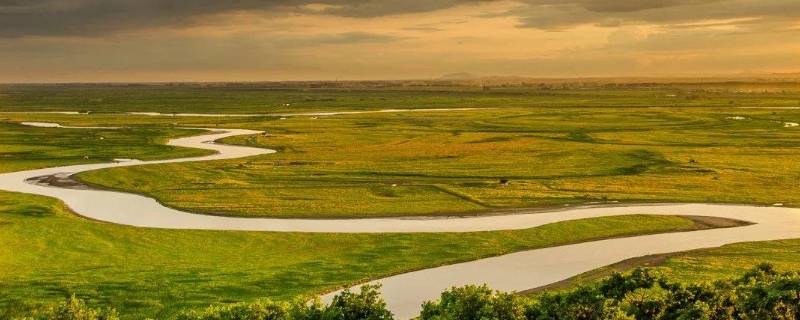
x=404 y=293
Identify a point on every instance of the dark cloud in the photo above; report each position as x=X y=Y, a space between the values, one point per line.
x=99 y=17
x=372 y=8
x=611 y=6
x=336 y=39
x=19 y=18
x=94 y=17
x=559 y=15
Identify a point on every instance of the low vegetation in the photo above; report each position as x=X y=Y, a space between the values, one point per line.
x=248 y=98
x=71 y=309
x=48 y=252
x=24 y=148
x=483 y=161
x=761 y=293
x=366 y=304
x=679 y=142
x=603 y=143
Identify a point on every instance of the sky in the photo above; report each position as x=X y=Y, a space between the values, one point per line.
x=270 y=40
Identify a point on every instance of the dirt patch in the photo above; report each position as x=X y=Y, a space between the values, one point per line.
x=60 y=180
x=705 y=222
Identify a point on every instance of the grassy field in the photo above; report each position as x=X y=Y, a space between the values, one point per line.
x=457 y=162
x=731 y=260
x=265 y=98
x=523 y=153
x=697 y=266
x=26 y=148
x=48 y=253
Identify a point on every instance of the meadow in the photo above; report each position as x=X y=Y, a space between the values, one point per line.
x=49 y=253
x=250 y=98
x=482 y=161
x=533 y=148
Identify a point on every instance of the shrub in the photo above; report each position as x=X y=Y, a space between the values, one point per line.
x=364 y=305
x=259 y=310
x=761 y=293
x=474 y=303
x=73 y=309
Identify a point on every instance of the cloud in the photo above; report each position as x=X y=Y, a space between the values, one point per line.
x=612 y=6
x=95 y=17
x=373 y=8
x=423 y=29
x=560 y=15
x=99 y=17
x=345 y=38
x=128 y=40
x=89 y=18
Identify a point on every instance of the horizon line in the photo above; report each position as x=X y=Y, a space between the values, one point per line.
x=776 y=76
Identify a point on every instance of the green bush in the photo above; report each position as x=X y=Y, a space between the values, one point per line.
x=474 y=303
x=364 y=305
x=760 y=294
x=73 y=309
x=259 y=310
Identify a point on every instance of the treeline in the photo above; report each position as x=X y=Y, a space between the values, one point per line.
x=761 y=293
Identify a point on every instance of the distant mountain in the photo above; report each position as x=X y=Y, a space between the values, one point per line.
x=459 y=76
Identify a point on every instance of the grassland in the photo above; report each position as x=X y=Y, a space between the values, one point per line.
x=728 y=261
x=23 y=148
x=696 y=266
x=641 y=144
x=49 y=253
x=457 y=162
x=266 y=98
x=731 y=260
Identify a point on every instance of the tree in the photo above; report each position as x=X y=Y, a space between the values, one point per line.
x=474 y=303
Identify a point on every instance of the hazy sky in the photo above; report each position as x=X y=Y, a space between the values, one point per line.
x=208 y=40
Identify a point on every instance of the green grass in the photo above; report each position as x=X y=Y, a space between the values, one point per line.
x=696 y=266
x=444 y=163
x=48 y=253
x=23 y=147
x=264 y=98
x=732 y=260
x=630 y=145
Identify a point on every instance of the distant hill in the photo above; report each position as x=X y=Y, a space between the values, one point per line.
x=459 y=76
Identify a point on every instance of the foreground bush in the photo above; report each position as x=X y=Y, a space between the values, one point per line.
x=760 y=294
x=474 y=303
x=73 y=309
x=366 y=305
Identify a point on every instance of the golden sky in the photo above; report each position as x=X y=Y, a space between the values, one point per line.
x=251 y=40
